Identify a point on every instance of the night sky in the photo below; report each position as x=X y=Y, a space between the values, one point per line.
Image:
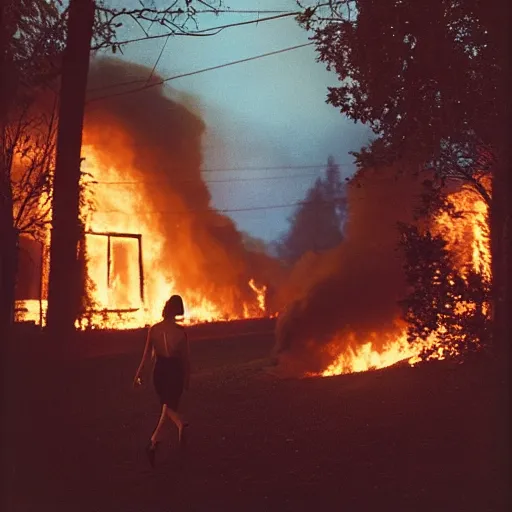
x=269 y=112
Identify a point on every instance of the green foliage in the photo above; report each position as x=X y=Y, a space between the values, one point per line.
x=428 y=76
x=443 y=299
x=417 y=71
x=317 y=224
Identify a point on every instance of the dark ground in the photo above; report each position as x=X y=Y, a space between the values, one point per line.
x=401 y=439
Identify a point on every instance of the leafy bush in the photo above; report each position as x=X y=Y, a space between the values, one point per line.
x=448 y=306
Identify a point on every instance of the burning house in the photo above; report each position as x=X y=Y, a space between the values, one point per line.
x=150 y=228
x=151 y=231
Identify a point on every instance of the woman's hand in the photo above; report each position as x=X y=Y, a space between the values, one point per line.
x=137 y=381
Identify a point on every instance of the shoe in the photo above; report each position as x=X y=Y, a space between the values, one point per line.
x=151 y=453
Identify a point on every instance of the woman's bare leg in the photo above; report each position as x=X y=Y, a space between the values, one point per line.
x=155 y=437
x=178 y=420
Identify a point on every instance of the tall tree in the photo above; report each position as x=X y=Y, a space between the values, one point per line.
x=64 y=286
x=31 y=40
x=87 y=22
x=317 y=224
x=426 y=75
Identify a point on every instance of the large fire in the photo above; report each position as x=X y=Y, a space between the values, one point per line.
x=121 y=207
x=151 y=232
x=125 y=247
x=150 y=228
x=468 y=240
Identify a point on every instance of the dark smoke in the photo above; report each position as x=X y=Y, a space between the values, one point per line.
x=203 y=247
x=355 y=287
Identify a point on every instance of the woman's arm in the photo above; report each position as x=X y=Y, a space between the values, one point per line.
x=143 y=360
x=185 y=355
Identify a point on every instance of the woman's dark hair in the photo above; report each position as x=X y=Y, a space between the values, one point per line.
x=173 y=308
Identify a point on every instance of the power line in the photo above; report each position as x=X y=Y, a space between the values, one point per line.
x=182 y=75
x=200 y=181
x=273 y=168
x=212 y=210
x=277 y=14
x=195 y=33
x=157 y=60
x=245 y=11
x=268 y=168
x=229 y=180
x=245 y=169
x=212 y=31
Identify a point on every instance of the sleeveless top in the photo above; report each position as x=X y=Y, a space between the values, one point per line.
x=168 y=339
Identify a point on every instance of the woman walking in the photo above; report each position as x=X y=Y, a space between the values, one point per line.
x=171 y=374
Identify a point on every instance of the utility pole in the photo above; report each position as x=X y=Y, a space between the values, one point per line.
x=64 y=288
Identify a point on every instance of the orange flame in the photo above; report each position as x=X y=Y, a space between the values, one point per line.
x=260 y=294
x=120 y=299
x=468 y=240
x=125 y=246
x=467 y=237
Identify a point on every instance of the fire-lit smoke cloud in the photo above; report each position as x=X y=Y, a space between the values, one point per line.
x=350 y=294
x=153 y=141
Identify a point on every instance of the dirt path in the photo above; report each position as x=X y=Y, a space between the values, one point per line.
x=402 y=439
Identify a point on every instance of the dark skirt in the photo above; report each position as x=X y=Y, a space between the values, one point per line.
x=168 y=379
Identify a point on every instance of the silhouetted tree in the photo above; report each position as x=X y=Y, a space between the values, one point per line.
x=317 y=224
x=32 y=40
x=441 y=300
x=431 y=78
x=31 y=44
x=89 y=24
x=417 y=71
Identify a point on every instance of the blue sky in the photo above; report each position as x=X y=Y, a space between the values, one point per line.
x=269 y=112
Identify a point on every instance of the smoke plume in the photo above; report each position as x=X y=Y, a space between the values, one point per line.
x=156 y=134
x=351 y=291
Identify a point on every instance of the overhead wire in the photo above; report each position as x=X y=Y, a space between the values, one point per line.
x=190 y=73
x=244 y=11
x=279 y=15
x=205 y=32
x=153 y=69
x=244 y=169
x=272 y=168
x=200 y=181
x=215 y=210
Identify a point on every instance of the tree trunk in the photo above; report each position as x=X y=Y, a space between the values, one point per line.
x=8 y=259
x=499 y=258
x=501 y=205
x=8 y=252
x=64 y=292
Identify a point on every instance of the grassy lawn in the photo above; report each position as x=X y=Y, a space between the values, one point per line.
x=401 y=439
